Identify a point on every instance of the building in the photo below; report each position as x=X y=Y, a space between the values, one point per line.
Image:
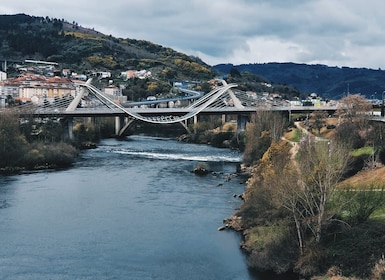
x=140 y=74
x=29 y=87
x=115 y=93
x=3 y=76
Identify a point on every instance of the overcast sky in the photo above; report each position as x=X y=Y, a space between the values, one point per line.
x=332 y=32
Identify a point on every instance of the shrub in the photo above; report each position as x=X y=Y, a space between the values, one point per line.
x=49 y=155
x=33 y=158
x=358 y=205
x=217 y=139
x=60 y=154
x=229 y=127
x=272 y=248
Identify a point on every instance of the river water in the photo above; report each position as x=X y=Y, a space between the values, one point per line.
x=127 y=210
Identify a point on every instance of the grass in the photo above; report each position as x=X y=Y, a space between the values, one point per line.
x=294 y=135
x=367 y=150
x=84 y=36
x=369 y=177
x=378 y=215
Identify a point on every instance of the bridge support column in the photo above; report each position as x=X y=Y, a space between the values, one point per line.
x=195 y=118
x=241 y=122
x=71 y=129
x=223 y=119
x=118 y=125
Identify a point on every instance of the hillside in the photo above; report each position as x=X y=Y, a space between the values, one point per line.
x=81 y=49
x=329 y=82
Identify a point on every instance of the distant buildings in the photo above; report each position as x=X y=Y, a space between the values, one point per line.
x=140 y=74
x=29 y=87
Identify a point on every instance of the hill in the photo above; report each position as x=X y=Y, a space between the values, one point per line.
x=329 y=82
x=80 y=49
x=83 y=49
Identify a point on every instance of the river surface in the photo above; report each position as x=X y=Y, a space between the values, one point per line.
x=126 y=210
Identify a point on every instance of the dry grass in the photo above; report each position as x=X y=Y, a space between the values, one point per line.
x=369 y=177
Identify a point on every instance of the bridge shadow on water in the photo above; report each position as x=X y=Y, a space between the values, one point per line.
x=162 y=130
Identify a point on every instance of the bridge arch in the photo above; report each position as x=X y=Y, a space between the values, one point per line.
x=193 y=110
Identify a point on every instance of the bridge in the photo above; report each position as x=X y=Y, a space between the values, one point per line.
x=223 y=100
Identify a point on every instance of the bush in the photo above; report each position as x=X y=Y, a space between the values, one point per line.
x=218 y=139
x=33 y=158
x=49 y=155
x=358 y=205
x=309 y=263
x=356 y=164
x=356 y=250
x=60 y=154
x=272 y=248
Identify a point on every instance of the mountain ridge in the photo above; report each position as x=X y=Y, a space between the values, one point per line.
x=327 y=81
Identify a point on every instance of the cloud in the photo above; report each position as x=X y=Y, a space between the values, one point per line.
x=332 y=32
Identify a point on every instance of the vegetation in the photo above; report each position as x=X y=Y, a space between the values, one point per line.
x=303 y=212
x=40 y=145
x=83 y=49
x=264 y=128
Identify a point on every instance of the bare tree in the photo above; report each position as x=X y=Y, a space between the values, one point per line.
x=354 y=108
x=321 y=166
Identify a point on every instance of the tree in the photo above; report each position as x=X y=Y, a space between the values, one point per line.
x=354 y=108
x=319 y=120
x=12 y=142
x=264 y=128
x=234 y=72
x=321 y=165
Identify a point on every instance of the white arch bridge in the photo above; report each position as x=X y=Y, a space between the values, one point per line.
x=91 y=102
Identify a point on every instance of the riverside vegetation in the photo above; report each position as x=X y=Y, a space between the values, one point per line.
x=30 y=145
x=303 y=213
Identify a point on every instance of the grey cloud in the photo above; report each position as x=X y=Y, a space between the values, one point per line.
x=330 y=31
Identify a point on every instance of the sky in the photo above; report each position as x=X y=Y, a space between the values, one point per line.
x=339 y=33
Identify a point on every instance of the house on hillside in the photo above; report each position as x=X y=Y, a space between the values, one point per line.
x=140 y=74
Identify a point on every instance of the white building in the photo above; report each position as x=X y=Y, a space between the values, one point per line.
x=3 y=76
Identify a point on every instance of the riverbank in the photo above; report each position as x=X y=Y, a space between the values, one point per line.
x=350 y=249
x=40 y=156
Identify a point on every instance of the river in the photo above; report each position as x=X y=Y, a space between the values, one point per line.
x=129 y=209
